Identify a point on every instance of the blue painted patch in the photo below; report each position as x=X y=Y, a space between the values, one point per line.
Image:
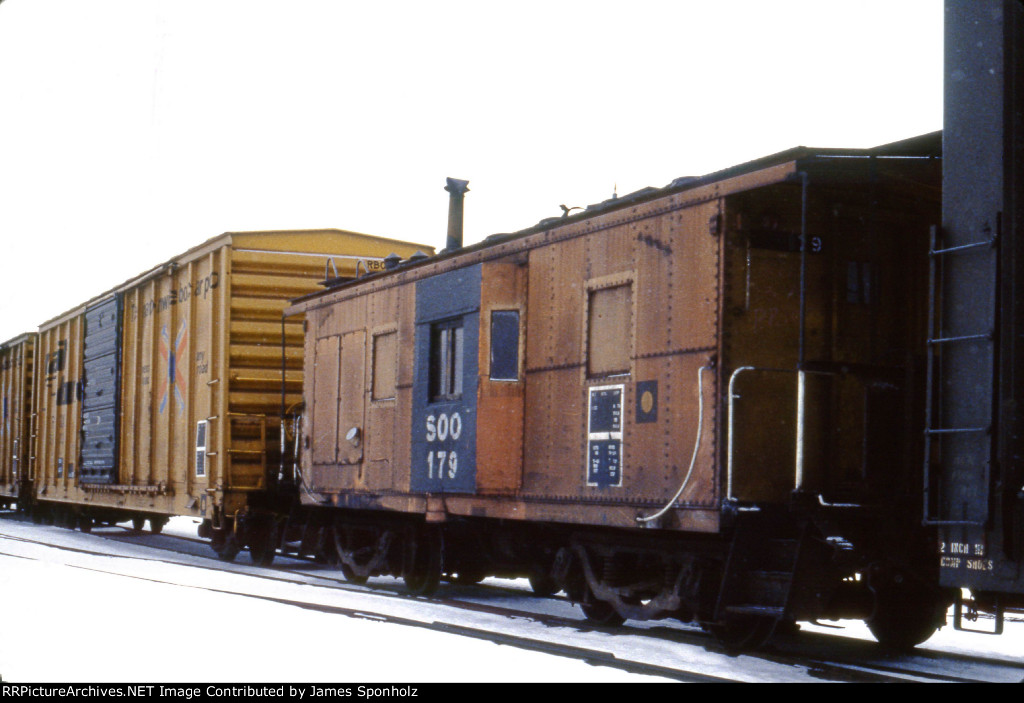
x=646 y=401
x=604 y=466
x=604 y=436
x=444 y=426
x=100 y=393
x=448 y=295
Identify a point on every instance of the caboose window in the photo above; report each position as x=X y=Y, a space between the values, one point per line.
x=859 y=282
x=446 y=360
x=609 y=331
x=505 y=345
x=385 y=360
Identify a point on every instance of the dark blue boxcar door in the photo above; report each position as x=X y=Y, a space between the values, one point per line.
x=102 y=353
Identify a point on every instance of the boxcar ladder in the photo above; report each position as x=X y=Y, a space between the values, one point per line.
x=938 y=339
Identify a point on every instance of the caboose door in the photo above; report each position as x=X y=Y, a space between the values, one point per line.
x=325 y=399
x=351 y=397
x=338 y=398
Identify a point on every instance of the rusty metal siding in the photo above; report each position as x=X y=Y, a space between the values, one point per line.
x=657 y=277
x=609 y=329
x=662 y=419
x=761 y=319
x=352 y=446
x=401 y=415
x=695 y=288
x=533 y=435
x=502 y=391
x=695 y=303
x=565 y=294
x=865 y=263
x=17 y=362
x=339 y=399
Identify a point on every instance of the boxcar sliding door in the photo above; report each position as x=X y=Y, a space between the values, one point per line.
x=100 y=412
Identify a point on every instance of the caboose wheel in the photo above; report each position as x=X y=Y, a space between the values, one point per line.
x=905 y=616
x=469 y=578
x=156 y=524
x=742 y=633
x=543 y=585
x=262 y=554
x=138 y=523
x=422 y=572
x=351 y=576
x=337 y=549
x=600 y=612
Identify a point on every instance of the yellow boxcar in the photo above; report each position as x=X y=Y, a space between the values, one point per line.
x=164 y=396
x=16 y=368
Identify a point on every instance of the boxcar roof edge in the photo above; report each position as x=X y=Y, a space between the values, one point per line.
x=211 y=244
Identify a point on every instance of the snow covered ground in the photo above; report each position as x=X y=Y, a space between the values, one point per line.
x=98 y=610
x=1007 y=647
x=77 y=617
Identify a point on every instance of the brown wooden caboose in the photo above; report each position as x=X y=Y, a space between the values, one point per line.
x=629 y=401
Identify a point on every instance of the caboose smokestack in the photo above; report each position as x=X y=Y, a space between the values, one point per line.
x=457 y=194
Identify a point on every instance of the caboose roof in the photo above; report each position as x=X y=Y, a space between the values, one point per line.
x=829 y=165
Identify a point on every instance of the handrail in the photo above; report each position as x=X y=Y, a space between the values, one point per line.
x=798 y=462
x=696 y=448
x=328 y=265
x=732 y=435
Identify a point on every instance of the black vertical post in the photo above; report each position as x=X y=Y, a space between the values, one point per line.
x=457 y=194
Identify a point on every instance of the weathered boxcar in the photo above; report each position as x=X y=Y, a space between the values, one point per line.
x=697 y=401
x=163 y=396
x=16 y=373
x=973 y=485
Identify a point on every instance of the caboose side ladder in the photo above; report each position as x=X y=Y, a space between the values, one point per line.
x=759 y=573
x=933 y=344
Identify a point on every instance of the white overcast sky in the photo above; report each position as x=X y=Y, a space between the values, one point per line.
x=131 y=130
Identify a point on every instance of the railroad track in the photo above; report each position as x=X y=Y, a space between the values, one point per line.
x=511 y=616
